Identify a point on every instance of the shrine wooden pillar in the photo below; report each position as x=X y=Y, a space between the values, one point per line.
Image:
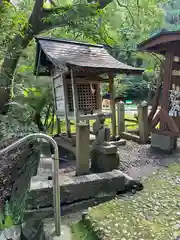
x=75 y=97
x=113 y=106
x=68 y=126
x=167 y=80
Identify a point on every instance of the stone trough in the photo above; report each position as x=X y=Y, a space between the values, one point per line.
x=76 y=189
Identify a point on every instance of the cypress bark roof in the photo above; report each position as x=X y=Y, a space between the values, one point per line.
x=81 y=56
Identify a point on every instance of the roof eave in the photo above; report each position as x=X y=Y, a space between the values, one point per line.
x=132 y=71
x=39 y=38
x=38 y=47
x=157 y=41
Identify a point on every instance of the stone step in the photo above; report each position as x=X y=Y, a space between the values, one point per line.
x=67 y=209
x=121 y=142
x=45 y=166
x=78 y=188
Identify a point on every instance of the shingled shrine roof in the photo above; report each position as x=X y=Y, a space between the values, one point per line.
x=161 y=42
x=80 y=56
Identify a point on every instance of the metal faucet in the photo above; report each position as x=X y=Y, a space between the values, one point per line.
x=55 y=167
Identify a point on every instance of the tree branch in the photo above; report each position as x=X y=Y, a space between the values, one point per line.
x=100 y=3
x=46 y=19
x=35 y=17
x=124 y=6
x=138 y=6
x=154 y=55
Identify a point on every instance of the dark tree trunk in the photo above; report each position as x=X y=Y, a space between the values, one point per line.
x=18 y=44
x=38 y=122
x=149 y=98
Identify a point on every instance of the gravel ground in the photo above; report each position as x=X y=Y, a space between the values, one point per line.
x=141 y=160
x=136 y=160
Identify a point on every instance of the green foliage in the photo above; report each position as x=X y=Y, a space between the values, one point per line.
x=12 y=21
x=79 y=232
x=6 y=219
x=172 y=15
x=14 y=125
x=135 y=88
x=120 y=26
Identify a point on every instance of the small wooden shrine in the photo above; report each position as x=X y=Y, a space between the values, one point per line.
x=167 y=44
x=77 y=69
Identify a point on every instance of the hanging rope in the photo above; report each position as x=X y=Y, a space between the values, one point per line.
x=92 y=89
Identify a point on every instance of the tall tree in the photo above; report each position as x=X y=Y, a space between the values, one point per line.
x=120 y=26
x=41 y=19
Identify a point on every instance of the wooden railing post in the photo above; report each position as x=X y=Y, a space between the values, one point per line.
x=120 y=117
x=143 y=122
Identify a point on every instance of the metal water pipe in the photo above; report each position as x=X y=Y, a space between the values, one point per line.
x=55 y=167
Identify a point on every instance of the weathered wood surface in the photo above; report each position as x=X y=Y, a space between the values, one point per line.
x=167 y=79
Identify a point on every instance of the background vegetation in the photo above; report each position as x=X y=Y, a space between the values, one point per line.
x=26 y=104
x=118 y=24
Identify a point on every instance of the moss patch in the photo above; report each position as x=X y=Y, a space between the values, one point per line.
x=80 y=232
x=153 y=213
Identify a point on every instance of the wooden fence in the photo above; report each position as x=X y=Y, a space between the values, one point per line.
x=142 y=134
x=130 y=128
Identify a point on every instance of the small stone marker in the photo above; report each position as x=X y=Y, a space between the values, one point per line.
x=143 y=122
x=82 y=149
x=120 y=113
x=163 y=143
